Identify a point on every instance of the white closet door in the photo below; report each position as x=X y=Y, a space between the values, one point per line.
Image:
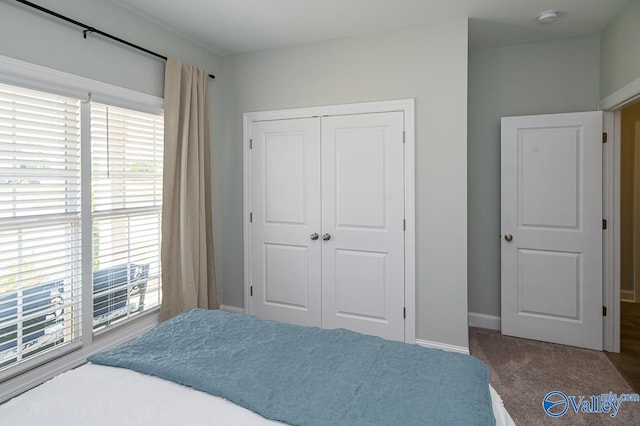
x=285 y=202
x=362 y=215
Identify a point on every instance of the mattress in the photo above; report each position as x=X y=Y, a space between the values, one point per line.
x=101 y=395
x=310 y=376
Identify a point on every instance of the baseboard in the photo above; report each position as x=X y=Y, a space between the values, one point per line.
x=444 y=346
x=627 y=296
x=232 y=309
x=491 y=322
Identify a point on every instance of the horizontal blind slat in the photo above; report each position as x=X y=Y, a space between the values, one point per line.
x=28 y=97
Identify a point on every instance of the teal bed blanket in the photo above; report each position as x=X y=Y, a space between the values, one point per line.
x=310 y=376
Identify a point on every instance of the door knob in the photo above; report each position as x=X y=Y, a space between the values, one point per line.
x=314 y=236
x=326 y=237
x=508 y=237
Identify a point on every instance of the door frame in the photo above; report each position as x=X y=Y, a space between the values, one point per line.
x=612 y=106
x=636 y=212
x=407 y=106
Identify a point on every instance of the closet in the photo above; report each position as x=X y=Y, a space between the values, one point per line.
x=325 y=196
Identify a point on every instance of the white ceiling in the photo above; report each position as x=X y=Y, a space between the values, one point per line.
x=229 y=27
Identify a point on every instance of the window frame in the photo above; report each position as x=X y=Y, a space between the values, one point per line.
x=24 y=375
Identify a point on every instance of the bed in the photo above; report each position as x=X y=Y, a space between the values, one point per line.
x=326 y=377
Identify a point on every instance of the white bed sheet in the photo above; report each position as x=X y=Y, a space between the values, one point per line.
x=99 y=395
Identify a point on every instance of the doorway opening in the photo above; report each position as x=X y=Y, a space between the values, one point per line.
x=629 y=258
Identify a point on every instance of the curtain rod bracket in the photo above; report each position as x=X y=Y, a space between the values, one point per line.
x=88 y=30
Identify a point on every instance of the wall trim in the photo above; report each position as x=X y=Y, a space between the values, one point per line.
x=627 y=295
x=37 y=77
x=611 y=211
x=443 y=346
x=622 y=97
x=491 y=322
x=342 y=109
x=232 y=309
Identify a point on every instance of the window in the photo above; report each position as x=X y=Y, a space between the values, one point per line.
x=126 y=157
x=40 y=241
x=42 y=291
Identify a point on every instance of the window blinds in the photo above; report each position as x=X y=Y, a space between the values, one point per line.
x=40 y=241
x=126 y=152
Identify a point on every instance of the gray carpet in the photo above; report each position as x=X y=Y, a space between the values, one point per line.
x=524 y=371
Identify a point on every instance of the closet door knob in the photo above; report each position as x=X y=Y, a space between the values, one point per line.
x=314 y=236
x=326 y=237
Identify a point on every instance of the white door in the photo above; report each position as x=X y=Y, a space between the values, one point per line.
x=362 y=223
x=552 y=228
x=285 y=205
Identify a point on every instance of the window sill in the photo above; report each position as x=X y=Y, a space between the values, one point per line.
x=14 y=386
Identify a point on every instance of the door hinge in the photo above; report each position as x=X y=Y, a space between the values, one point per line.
x=251 y=290
x=604 y=311
x=404 y=136
x=605 y=137
x=604 y=223
x=250 y=143
x=251 y=217
x=404 y=313
x=404 y=224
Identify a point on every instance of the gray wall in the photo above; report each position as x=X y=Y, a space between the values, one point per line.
x=425 y=63
x=540 y=78
x=40 y=39
x=621 y=50
x=429 y=64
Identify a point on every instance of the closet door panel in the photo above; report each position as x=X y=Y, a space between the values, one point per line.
x=362 y=214
x=285 y=204
x=360 y=187
x=369 y=268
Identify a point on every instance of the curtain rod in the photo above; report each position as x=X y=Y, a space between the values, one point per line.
x=90 y=29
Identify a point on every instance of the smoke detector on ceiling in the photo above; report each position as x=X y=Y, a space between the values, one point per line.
x=548 y=16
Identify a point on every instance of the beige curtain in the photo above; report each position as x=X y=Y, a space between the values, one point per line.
x=188 y=271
